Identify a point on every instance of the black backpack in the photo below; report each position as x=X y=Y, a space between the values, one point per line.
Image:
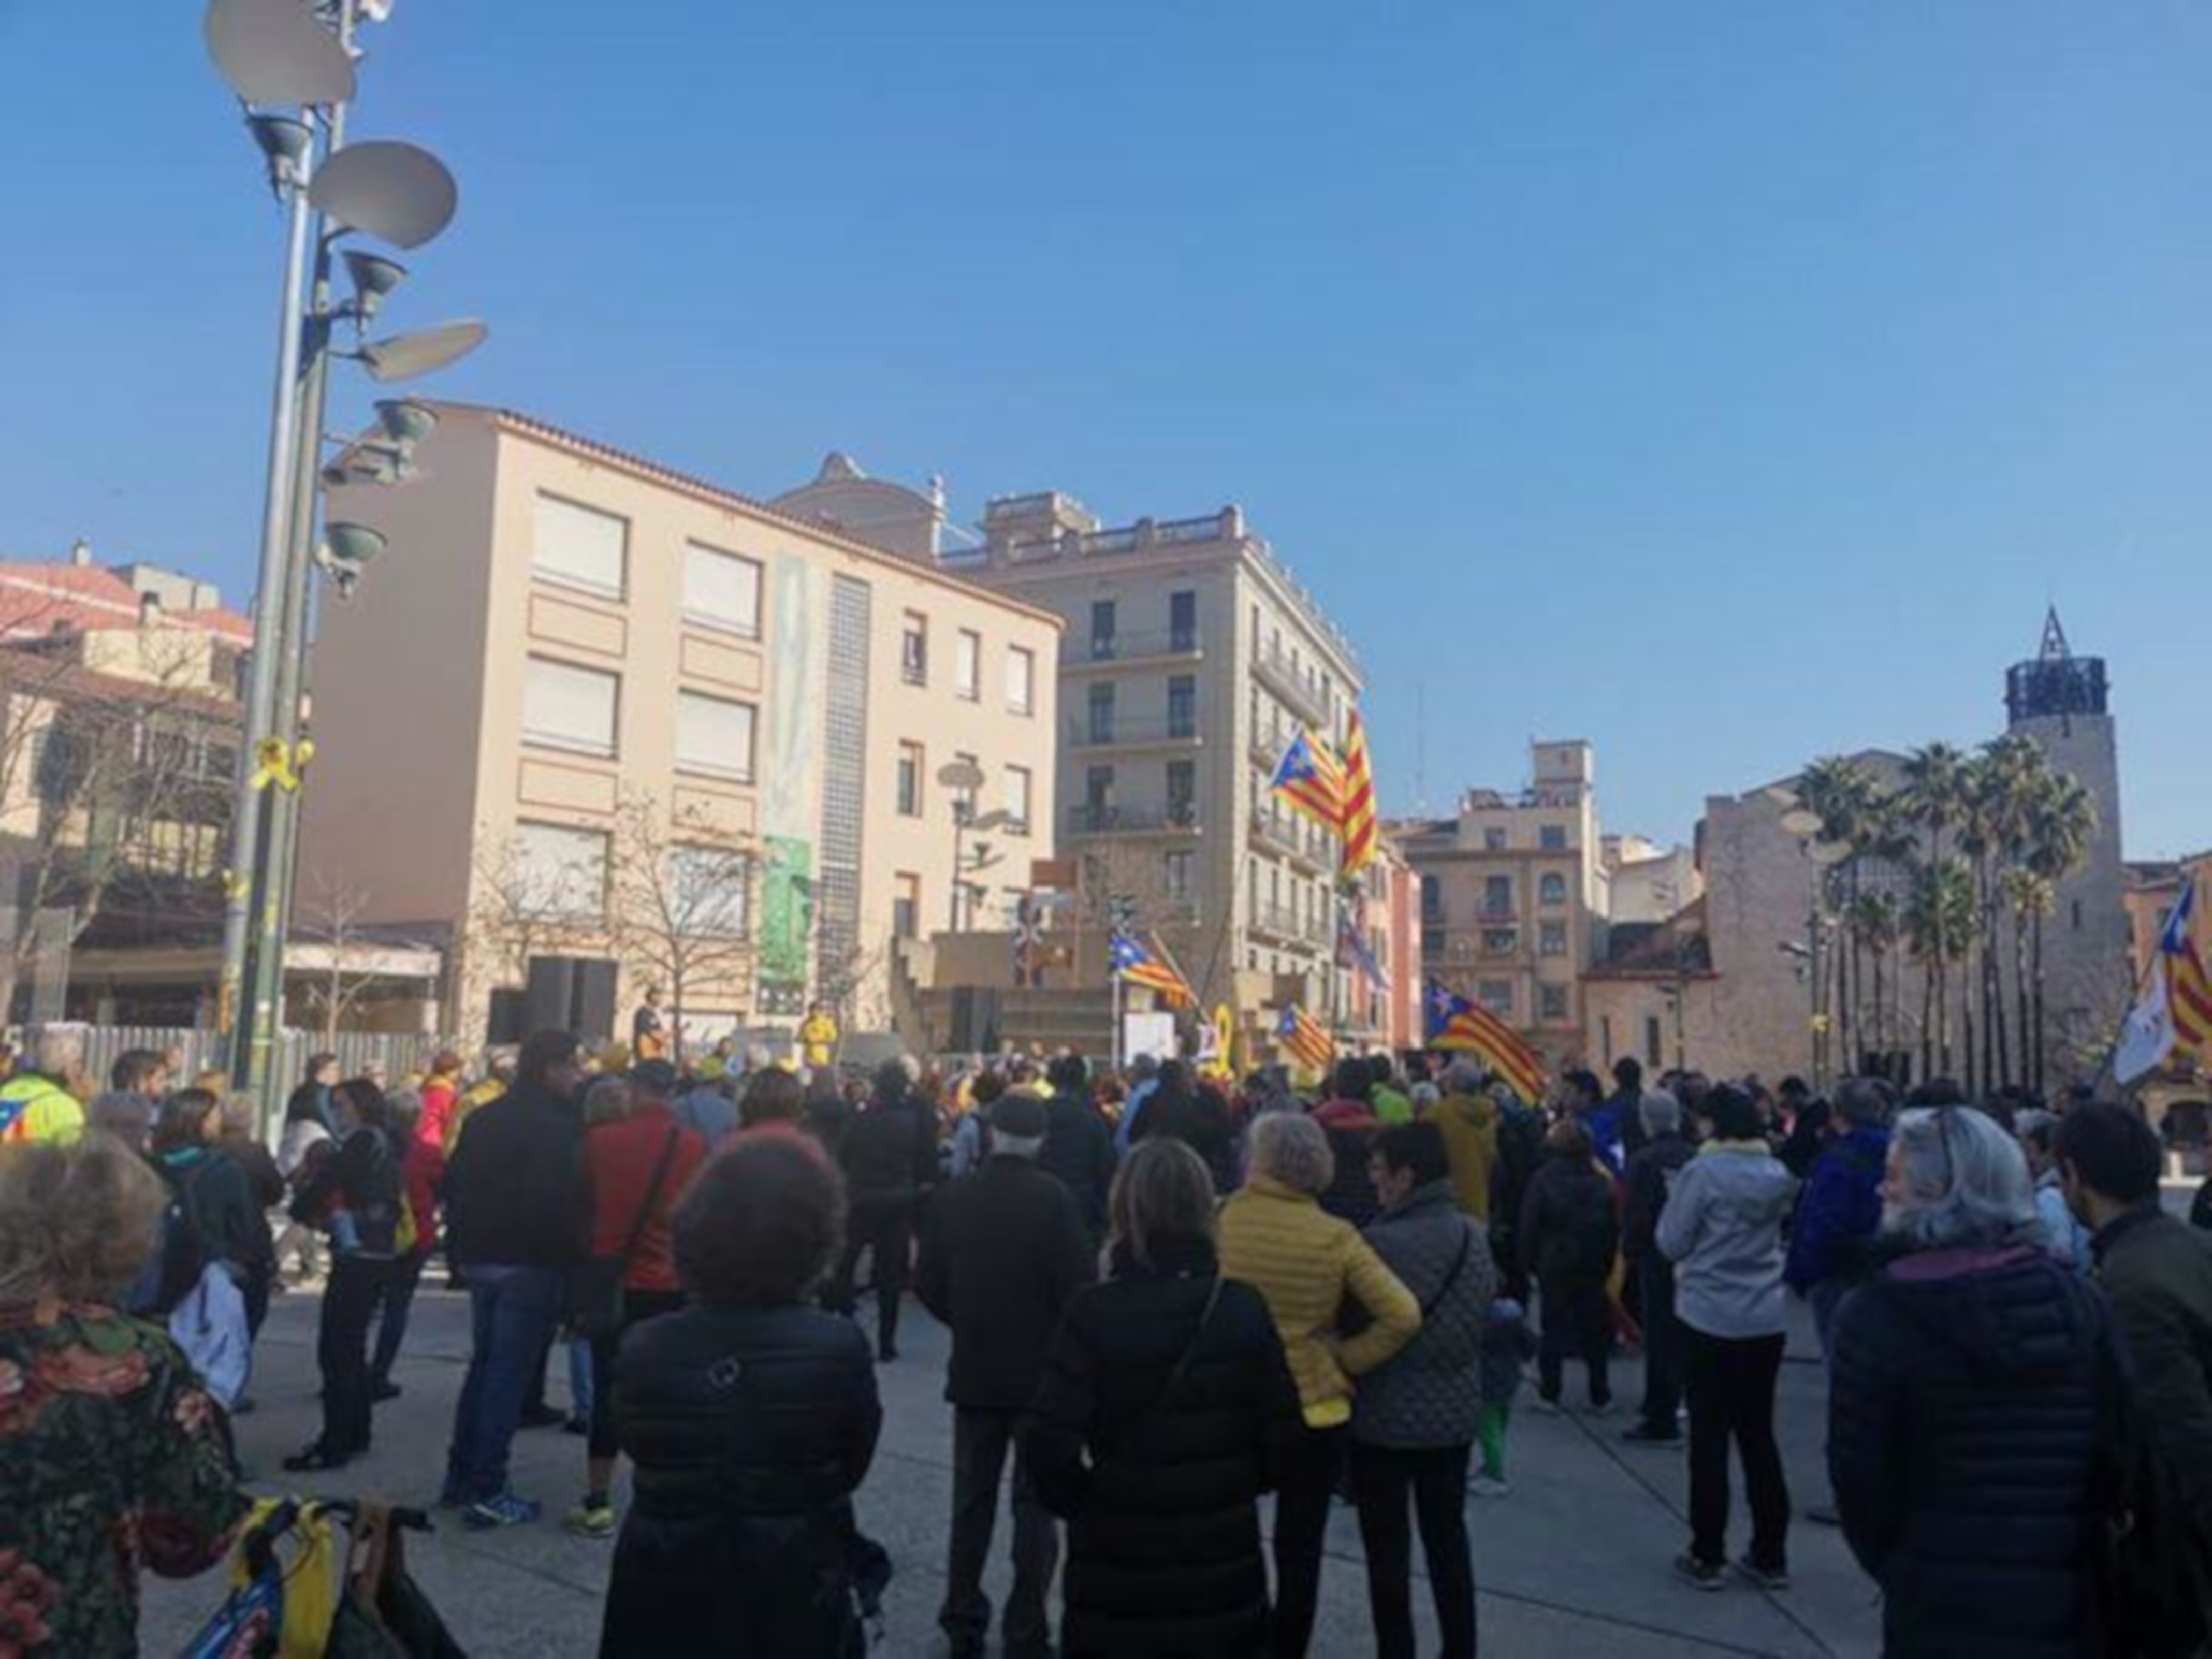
x=179 y=1255
x=2150 y=1565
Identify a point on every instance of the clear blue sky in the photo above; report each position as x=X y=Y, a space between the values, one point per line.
x=1724 y=383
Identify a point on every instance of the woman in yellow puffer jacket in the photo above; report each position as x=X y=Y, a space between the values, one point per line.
x=1276 y=1237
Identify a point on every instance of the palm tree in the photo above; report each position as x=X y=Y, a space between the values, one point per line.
x=1939 y=919
x=2028 y=895
x=1873 y=920
x=1845 y=797
x=1934 y=799
x=2062 y=822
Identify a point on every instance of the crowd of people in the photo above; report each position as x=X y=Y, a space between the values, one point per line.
x=1169 y=1297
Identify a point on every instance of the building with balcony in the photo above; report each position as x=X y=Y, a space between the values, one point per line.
x=1516 y=895
x=589 y=708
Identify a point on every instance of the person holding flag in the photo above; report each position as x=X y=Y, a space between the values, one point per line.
x=2172 y=1012
x=1152 y=968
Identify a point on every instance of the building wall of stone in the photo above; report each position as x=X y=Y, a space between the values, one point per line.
x=2087 y=975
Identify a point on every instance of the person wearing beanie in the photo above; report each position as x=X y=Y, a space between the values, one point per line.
x=1004 y=1251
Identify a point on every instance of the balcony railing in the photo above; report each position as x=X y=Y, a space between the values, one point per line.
x=1299 y=686
x=1119 y=733
x=1282 y=921
x=1177 y=817
x=1075 y=651
x=1289 y=837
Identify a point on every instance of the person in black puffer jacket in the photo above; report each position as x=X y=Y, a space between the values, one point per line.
x=1565 y=1241
x=751 y=1419
x=889 y=1157
x=1165 y=1406
x=1965 y=1404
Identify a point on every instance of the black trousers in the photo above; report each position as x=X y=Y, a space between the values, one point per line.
x=1732 y=1399
x=981 y=1443
x=1303 y=1487
x=392 y=1320
x=1577 y=1322
x=356 y=1284
x=1663 y=1347
x=883 y=1227
x=1396 y=1488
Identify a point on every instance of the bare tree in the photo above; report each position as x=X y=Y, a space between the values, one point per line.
x=683 y=901
x=115 y=787
x=331 y=918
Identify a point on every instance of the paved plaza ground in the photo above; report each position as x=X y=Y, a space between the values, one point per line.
x=1576 y=1561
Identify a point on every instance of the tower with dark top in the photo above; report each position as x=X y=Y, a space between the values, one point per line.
x=2063 y=701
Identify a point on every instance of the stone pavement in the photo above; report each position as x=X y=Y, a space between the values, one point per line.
x=1577 y=1560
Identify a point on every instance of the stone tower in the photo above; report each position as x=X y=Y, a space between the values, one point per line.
x=2061 y=701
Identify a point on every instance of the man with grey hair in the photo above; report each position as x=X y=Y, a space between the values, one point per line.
x=1651 y=1169
x=40 y=1104
x=1004 y=1251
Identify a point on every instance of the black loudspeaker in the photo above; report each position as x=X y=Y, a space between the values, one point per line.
x=550 y=995
x=509 y=1020
x=963 y=1017
x=591 y=1007
x=570 y=993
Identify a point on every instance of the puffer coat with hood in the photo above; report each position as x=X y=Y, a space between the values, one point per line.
x=1468 y=1123
x=1963 y=1422
x=1722 y=1227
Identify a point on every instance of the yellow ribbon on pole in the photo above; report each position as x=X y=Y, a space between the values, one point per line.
x=277 y=763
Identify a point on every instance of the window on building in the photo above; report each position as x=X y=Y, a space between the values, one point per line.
x=560 y=870
x=1182 y=706
x=1018 y=783
x=580 y=547
x=910 y=760
x=1552 y=888
x=1182 y=792
x=1182 y=620
x=713 y=734
x=1497 y=895
x=1551 y=938
x=721 y=590
x=1098 y=796
x=1551 y=837
x=1551 y=1002
x=710 y=892
x=1433 y=898
x=1654 y=1056
x=1493 y=840
x=913 y=648
x=1500 y=941
x=1496 y=996
x=567 y=706
x=1021 y=680
x=1102 y=712
x=967 y=666
x=1104 y=622
x=1432 y=943
x=905 y=905
x=1176 y=876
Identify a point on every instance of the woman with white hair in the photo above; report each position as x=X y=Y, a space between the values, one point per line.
x=1969 y=1383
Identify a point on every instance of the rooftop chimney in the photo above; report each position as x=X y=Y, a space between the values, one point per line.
x=80 y=553
x=149 y=610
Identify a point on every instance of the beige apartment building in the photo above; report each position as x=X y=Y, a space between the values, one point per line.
x=589 y=706
x=1190 y=658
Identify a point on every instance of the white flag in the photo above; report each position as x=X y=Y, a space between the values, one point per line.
x=2147 y=1038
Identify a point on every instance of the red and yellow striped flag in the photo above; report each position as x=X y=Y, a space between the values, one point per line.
x=2187 y=989
x=1360 y=831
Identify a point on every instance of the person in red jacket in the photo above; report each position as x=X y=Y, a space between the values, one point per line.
x=421 y=1168
x=638 y=1167
x=439 y=1091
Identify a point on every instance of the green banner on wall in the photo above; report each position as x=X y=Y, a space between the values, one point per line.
x=787 y=929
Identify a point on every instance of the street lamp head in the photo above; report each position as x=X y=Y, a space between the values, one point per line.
x=398 y=193
x=372 y=277
x=285 y=144
x=405 y=422
x=275 y=51
x=353 y=544
x=406 y=355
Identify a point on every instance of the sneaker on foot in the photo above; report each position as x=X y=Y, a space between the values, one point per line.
x=505 y=1511
x=1704 y=1575
x=1548 y=1404
x=578 y=1426
x=541 y=1417
x=1823 y=1515
x=381 y=1392
x=1602 y=1409
x=1645 y=1435
x=590 y=1520
x=1775 y=1577
x=1490 y=1486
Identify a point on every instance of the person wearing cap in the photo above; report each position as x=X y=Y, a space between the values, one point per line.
x=638 y=1165
x=1004 y=1251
